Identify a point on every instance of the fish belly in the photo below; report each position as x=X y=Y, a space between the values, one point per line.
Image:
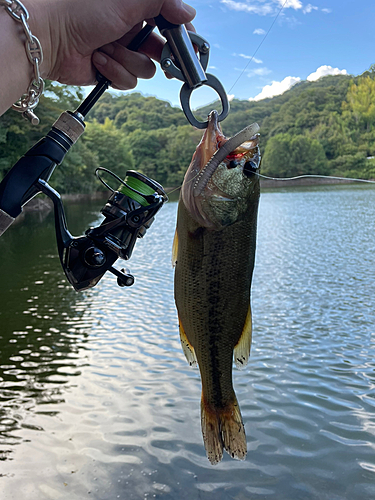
x=212 y=293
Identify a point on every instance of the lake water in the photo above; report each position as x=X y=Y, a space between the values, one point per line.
x=97 y=400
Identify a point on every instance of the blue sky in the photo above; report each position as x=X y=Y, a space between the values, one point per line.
x=307 y=40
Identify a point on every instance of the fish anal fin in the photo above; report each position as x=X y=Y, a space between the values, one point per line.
x=187 y=347
x=223 y=429
x=175 y=249
x=242 y=349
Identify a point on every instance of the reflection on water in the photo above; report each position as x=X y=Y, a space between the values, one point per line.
x=97 y=400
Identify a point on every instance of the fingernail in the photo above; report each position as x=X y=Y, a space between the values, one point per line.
x=99 y=59
x=189 y=9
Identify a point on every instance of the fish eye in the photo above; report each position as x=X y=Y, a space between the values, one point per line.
x=233 y=164
x=250 y=168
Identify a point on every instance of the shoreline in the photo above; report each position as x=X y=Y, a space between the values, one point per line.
x=307 y=181
x=44 y=204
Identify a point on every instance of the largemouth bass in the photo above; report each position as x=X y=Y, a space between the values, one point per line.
x=213 y=253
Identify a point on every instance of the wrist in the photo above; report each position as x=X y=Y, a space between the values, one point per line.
x=40 y=12
x=16 y=70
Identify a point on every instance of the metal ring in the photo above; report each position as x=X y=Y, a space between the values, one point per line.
x=186 y=92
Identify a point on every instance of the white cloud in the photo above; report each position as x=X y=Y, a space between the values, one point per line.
x=259 y=72
x=262 y=9
x=294 y=4
x=327 y=11
x=309 y=8
x=259 y=31
x=230 y=97
x=251 y=58
x=269 y=7
x=276 y=88
x=255 y=71
x=324 y=71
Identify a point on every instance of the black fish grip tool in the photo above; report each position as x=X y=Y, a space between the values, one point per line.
x=180 y=61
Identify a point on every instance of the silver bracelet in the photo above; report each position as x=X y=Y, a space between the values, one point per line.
x=30 y=100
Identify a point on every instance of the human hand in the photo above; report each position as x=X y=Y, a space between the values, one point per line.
x=79 y=35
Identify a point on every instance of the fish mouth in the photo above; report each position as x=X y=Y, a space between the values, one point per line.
x=212 y=139
x=235 y=149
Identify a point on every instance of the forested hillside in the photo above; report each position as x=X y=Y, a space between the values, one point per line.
x=327 y=127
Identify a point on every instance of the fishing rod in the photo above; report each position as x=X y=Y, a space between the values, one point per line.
x=131 y=208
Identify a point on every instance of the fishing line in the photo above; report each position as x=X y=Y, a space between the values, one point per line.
x=315 y=176
x=259 y=46
x=303 y=176
x=188 y=182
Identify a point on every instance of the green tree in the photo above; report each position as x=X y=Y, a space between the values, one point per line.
x=179 y=151
x=360 y=102
x=288 y=156
x=110 y=146
x=76 y=173
x=326 y=126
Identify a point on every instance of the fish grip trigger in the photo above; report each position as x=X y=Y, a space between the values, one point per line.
x=87 y=258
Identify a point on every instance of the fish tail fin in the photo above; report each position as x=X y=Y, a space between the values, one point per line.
x=223 y=429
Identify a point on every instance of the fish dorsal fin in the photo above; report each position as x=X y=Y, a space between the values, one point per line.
x=175 y=249
x=242 y=349
x=187 y=347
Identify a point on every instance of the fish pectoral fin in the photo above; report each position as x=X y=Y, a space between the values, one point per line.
x=175 y=249
x=242 y=349
x=223 y=429
x=187 y=347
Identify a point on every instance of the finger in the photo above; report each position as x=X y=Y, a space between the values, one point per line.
x=151 y=21
x=153 y=46
x=190 y=27
x=177 y=12
x=130 y=35
x=137 y=63
x=120 y=76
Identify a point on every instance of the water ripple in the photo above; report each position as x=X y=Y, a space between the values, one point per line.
x=97 y=400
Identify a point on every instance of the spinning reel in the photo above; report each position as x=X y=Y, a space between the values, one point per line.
x=128 y=213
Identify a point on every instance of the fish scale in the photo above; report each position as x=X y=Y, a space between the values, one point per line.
x=214 y=253
x=213 y=295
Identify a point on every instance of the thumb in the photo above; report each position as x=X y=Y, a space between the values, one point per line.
x=177 y=12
